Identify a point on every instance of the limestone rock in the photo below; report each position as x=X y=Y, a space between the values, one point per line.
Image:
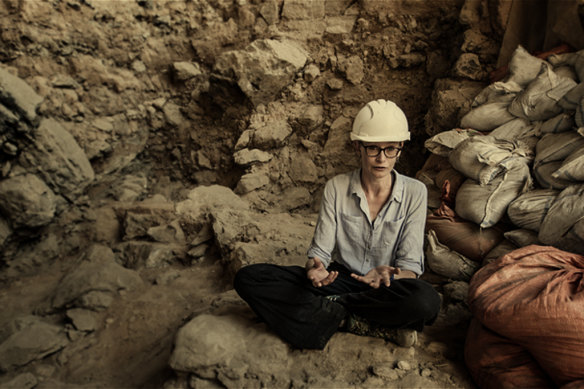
x=35 y=341
x=354 y=70
x=311 y=72
x=302 y=168
x=83 y=319
x=269 y=10
x=263 y=68
x=215 y=341
x=303 y=9
x=204 y=199
x=247 y=157
x=91 y=282
x=149 y=255
x=21 y=381
x=186 y=70
x=252 y=181
x=5 y=230
x=168 y=233
x=27 y=201
x=17 y=95
x=271 y=135
x=59 y=159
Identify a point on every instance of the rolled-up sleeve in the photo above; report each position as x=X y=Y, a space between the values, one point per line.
x=323 y=241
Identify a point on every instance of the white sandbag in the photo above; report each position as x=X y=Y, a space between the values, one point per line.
x=565 y=212
x=444 y=142
x=539 y=100
x=572 y=168
x=556 y=147
x=544 y=176
x=486 y=205
x=482 y=158
x=576 y=60
x=487 y=116
x=522 y=237
x=515 y=129
x=519 y=129
x=446 y=262
x=523 y=67
x=529 y=209
x=560 y=123
x=569 y=102
x=566 y=71
x=497 y=92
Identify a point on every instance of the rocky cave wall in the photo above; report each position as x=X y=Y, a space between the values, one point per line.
x=124 y=100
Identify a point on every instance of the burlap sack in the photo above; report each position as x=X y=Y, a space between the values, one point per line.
x=463 y=236
x=534 y=297
x=576 y=60
x=523 y=67
x=565 y=212
x=539 y=100
x=446 y=262
x=522 y=237
x=544 y=176
x=487 y=117
x=570 y=100
x=496 y=362
x=486 y=205
x=560 y=123
x=572 y=168
x=557 y=147
x=497 y=92
x=529 y=209
x=482 y=158
x=443 y=143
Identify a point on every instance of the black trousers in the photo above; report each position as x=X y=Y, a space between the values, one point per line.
x=284 y=298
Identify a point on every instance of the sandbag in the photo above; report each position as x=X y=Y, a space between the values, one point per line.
x=570 y=100
x=579 y=116
x=529 y=209
x=523 y=67
x=572 y=168
x=487 y=117
x=534 y=296
x=564 y=213
x=518 y=128
x=463 y=236
x=443 y=143
x=497 y=92
x=482 y=158
x=544 y=176
x=556 y=147
x=486 y=204
x=446 y=262
x=560 y=123
x=504 y=247
x=576 y=60
x=522 y=237
x=496 y=362
x=539 y=100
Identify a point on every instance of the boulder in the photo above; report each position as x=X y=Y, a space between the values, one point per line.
x=18 y=96
x=27 y=201
x=263 y=68
x=247 y=157
x=93 y=285
x=204 y=199
x=34 y=341
x=59 y=160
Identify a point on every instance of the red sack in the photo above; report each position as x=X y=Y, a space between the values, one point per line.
x=534 y=296
x=496 y=362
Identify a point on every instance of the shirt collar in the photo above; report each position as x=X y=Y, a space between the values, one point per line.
x=396 y=193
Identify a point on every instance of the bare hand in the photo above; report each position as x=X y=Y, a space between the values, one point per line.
x=317 y=273
x=377 y=276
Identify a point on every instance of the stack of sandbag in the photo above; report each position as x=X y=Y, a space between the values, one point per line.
x=514 y=169
x=528 y=320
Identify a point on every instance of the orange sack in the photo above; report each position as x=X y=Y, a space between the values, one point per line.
x=534 y=297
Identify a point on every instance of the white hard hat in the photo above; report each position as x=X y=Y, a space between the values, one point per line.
x=380 y=121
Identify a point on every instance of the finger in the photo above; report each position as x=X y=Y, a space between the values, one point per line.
x=386 y=278
x=330 y=278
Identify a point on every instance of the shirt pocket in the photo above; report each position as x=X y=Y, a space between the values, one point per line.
x=388 y=236
x=353 y=229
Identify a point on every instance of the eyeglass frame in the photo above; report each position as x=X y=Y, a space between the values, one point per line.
x=380 y=149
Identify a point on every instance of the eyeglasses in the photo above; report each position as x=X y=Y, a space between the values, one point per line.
x=374 y=151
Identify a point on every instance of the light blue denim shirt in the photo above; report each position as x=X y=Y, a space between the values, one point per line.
x=346 y=234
